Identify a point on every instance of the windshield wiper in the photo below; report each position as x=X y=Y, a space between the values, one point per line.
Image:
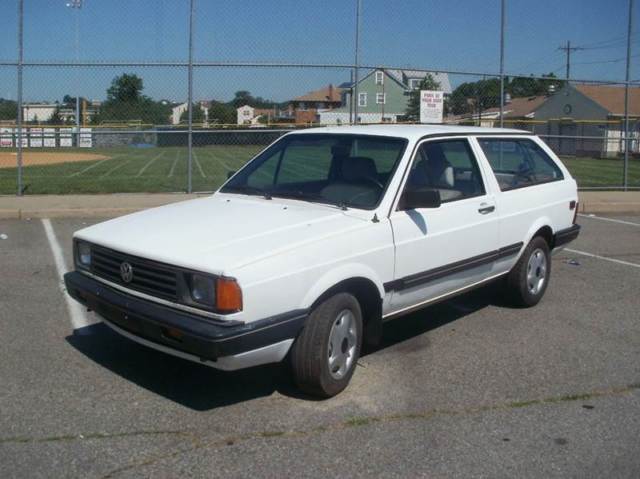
x=308 y=197
x=248 y=190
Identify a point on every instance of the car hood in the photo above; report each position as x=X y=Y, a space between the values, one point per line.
x=220 y=233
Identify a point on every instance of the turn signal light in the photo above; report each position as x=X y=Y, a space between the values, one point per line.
x=228 y=295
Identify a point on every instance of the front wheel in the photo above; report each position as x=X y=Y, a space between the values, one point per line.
x=529 y=278
x=325 y=353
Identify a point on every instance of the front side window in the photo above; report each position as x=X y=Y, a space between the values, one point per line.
x=447 y=166
x=341 y=169
x=517 y=163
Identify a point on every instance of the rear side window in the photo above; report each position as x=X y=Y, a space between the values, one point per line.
x=519 y=162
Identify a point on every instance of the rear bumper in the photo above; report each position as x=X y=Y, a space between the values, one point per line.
x=562 y=237
x=225 y=346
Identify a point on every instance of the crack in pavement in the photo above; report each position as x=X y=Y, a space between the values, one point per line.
x=368 y=420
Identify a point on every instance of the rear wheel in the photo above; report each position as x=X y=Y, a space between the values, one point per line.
x=325 y=353
x=529 y=278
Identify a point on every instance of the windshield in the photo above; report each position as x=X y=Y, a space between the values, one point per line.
x=341 y=169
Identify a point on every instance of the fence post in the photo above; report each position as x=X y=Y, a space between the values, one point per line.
x=19 y=112
x=625 y=169
x=357 y=64
x=502 y=20
x=190 y=101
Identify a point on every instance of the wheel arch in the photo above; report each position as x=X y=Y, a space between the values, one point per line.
x=368 y=291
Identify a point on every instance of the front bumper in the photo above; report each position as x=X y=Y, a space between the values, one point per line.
x=204 y=339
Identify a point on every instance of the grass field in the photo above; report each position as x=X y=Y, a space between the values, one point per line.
x=165 y=169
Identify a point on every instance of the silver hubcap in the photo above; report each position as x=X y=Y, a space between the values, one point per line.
x=536 y=271
x=342 y=344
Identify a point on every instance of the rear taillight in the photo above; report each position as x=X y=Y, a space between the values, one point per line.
x=573 y=205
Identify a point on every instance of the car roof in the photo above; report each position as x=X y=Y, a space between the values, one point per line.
x=412 y=132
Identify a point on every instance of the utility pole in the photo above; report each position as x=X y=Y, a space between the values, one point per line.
x=77 y=5
x=627 y=142
x=568 y=49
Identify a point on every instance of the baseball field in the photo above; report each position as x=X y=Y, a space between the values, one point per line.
x=164 y=169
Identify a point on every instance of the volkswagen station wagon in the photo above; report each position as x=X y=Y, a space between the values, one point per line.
x=306 y=251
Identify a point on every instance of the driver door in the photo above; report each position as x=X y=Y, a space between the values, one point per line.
x=444 y=249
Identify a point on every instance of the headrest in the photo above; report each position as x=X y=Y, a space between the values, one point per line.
x=355 y=168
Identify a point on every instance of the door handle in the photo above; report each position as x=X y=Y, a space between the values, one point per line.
x=483 y=210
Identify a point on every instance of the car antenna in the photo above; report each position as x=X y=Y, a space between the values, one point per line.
x=375 y=218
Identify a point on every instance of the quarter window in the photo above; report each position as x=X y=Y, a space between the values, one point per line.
x=446 y=166
x=517 y=163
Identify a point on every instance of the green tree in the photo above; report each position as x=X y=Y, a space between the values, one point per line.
x=55 y=118
x=222 y=113
x=413 y=104
x=197 y=116
x=126 y=88
x=8 y=109
x=125 y=102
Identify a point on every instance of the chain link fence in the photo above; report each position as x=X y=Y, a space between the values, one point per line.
x=196 y=88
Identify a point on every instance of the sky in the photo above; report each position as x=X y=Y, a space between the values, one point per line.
x=456 y=35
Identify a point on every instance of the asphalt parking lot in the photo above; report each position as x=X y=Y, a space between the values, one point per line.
x=466 y=388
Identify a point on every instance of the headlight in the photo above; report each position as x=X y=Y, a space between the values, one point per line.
x=218 y=294
x=83 y=254
x=203 y=289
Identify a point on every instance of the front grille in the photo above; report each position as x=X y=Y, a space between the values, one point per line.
x=150 y=277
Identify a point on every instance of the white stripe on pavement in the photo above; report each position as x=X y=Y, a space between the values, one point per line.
x=605 y=258
x=76 y=312
x=613 y=220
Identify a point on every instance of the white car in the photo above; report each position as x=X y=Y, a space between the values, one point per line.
x=322 y=237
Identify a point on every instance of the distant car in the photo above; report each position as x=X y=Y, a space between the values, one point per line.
x=322 y=237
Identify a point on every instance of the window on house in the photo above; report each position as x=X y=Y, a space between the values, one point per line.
x=414 y=83
x=362 y=99
x=302 y=106
x=379 y=78
x=381 y=98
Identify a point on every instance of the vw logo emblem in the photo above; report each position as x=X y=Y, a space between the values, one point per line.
x=126 y=272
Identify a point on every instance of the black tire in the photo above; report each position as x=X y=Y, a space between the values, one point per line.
x=310 y=352
x=521 y=291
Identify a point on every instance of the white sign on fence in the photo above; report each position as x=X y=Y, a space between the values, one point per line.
x=86 y=139
x=431 y=106
x=49 y=140
x=6 y=137
x=35 y=138
x=66 y=140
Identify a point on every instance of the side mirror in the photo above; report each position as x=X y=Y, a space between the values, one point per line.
x=231 y=173
x=412 y=199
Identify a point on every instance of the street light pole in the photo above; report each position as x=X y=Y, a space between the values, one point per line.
x=77 y=5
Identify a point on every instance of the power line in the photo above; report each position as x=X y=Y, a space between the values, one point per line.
x=568 y=49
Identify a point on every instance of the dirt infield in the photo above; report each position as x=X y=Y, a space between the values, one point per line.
x=32 y=158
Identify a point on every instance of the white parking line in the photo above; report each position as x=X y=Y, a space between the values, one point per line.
x=151 y=161
x=605 y=258
x=76 y=313
x=613 y=220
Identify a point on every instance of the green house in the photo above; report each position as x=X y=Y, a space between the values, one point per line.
x=382 y=96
